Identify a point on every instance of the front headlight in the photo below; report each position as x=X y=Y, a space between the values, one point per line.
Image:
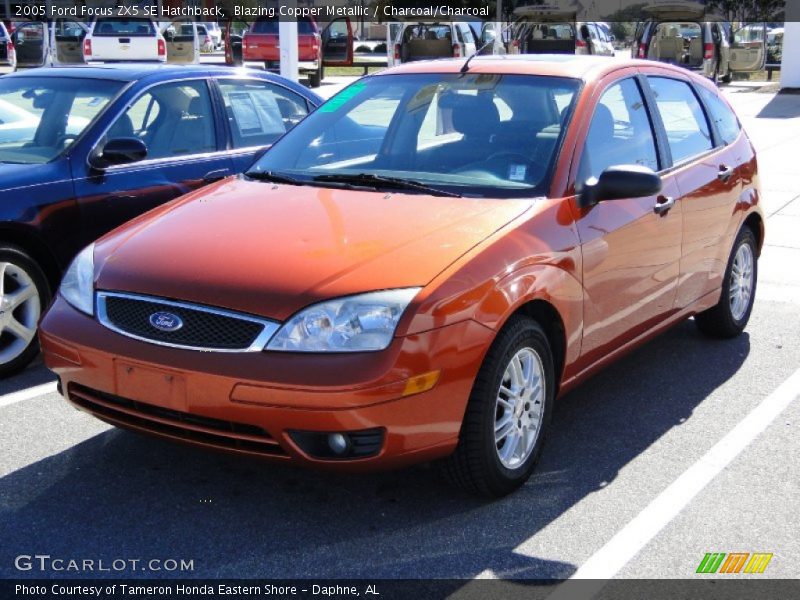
x=77 y=287
x=352 y=324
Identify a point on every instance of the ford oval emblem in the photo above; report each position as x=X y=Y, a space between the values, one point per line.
x=166 y=321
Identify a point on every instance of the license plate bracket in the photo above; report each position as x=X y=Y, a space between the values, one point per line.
x=152 y=386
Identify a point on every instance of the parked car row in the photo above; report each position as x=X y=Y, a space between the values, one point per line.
x=107 y=39
x=415 y=271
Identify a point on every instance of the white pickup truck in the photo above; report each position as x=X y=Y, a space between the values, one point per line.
x=116 y=39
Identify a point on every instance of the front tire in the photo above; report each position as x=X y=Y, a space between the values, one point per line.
x=315 y=79
x=24 y=294
x=507 y=414
x=730 y=316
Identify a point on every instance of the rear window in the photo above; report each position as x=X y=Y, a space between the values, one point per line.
x=427 y=32
x=304 y=26
x=123 y=27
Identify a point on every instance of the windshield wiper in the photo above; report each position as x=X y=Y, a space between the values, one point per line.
x=273 y=177
x=378 y=181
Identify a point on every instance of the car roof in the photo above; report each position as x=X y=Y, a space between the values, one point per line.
x=154 y=73
x=555 y=65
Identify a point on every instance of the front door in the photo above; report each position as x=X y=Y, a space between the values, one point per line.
x=178 y=124
x=183 y=46
x=30 y=43
x=631 y=247
x=748 y=51
x=68 y=42
x=337 y=43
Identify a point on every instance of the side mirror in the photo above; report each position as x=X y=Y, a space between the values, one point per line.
x=615 y=183
x=169 y=35
x=585 y=35
x=119 y=151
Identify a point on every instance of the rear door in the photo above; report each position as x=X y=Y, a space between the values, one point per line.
x=31 y=43
x=181 y=39
x=631 y=247
x=257 y=114
x=707 y=178
x=68 y=40
x=337 y=43
x=748 y=51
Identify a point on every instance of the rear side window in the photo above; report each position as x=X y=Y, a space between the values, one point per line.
x=260 y=112
x=726 y=122
x=620 y=132
x=687 y=130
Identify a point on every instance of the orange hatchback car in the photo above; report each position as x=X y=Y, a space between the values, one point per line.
x=418 y=269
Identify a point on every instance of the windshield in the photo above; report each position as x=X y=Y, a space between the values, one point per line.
x=475 y=135
x=40 y=117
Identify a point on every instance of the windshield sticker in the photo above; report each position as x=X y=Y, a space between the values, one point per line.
x=517 y=172
x=342 y=97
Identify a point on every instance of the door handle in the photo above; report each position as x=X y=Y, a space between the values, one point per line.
x=663 y=204
x=213 y=176
x=725 y=173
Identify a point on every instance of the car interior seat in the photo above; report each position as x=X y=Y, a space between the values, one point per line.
x=671 y=46
x=696 y=50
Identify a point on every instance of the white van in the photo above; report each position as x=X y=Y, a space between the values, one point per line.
x=553 y=29
x=682 y=33
x=434 y=39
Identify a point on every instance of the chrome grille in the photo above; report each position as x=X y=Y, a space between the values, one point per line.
x=202 y=327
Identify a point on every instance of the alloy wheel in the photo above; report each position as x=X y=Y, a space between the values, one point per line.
x=519 y=408
x=20 y=308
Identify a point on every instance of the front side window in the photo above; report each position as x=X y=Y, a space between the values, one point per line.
x=480 y=135
x=620 y=133
x=260 y=112
x=687 y=130
x=726 y=122
x=43 y=116
x=172 y=119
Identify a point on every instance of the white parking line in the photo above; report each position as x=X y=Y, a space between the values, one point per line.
x=619 y=550
x=28 y=394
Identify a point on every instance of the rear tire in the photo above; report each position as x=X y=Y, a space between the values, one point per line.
x=315 y=79
x=730 y=316
x=24 y=296
x=507 y=414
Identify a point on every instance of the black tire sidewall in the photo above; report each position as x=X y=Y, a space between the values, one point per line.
x=17 y=256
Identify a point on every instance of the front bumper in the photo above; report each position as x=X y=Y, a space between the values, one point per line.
x=248 y=403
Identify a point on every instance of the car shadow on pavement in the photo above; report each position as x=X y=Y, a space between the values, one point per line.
x=785 y=105
x=120 y=495
x=35 y=374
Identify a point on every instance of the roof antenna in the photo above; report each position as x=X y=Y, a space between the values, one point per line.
x=465 y=66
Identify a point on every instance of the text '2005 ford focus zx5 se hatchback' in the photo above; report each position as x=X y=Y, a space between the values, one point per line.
x=419 y=268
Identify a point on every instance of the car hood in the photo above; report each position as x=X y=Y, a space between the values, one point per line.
x=273 y=249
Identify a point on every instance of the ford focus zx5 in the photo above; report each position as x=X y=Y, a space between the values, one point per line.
x=419 y=268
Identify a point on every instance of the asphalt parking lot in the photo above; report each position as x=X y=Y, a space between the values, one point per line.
x=616 y=462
